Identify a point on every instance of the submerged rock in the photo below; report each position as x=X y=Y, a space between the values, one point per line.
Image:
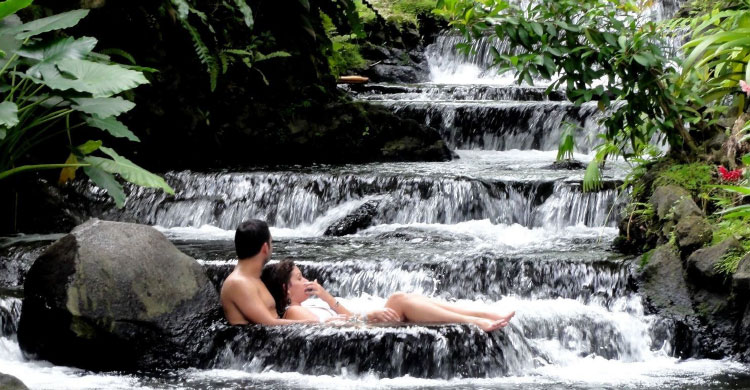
x=360 y=219
x=437 y=351
x=9 y=382
x=567 y=164
x=116 y=296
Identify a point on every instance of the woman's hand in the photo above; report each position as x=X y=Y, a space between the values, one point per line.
x=314 y=288
x=383 y=315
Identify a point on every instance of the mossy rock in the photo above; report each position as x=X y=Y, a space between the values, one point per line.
x=665 y=198
x=693 y=232
x=9 y=382
x=741 y=278
x=702 y=265
x=121 y=296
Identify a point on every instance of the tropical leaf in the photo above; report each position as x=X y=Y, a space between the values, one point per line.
x=8 y=43
x=112 y=126
x=89 y=147
x=128 y=170
x=183 y=8
x=103 y=107
x=108 y=182
x=98 y=79
x=68 y=173
x=8 y=115
x=247 y=13
x=737 y=212
x=10 y=7
x=735 y=189
x=48 y=55
x=275 y=54
x=50 y=23
x=592 y=180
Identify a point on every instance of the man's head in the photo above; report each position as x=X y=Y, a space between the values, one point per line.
x=253 y=238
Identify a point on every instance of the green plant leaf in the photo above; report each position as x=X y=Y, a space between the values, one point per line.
x=746 y=159
x=735 y=189
x=49 y=54
x=247 y=12
x=103 y=107
x=128 y=170
x=106 y=181
x=10 y=7
x=112 y=126
x=592 y=179
x=736 y=212
x=100 y=80
x=8 y=116
x=89 y=147
x=50 y=23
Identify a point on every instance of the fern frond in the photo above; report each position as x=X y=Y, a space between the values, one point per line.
x=204 y=53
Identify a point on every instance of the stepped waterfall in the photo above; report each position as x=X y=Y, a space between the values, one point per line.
x=496 y=228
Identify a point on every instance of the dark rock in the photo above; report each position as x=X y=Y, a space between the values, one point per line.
x=567 y=164
x=394 y=74
x=665 y=197
x=121 y=296
x=444 y=351
x=9 y=382
x=16 y=259
x=374 y=52
x=701 y=265
x=741 y=278
x=692 y=232
x=686 y=207
x=360 y=219
x=743 y=331
x=663 y=283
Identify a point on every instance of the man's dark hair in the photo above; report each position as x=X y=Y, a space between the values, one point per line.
x=250 y=237
x=276 y=278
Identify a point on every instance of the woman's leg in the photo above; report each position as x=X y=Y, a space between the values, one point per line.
x=474 y=313
x=416 y=308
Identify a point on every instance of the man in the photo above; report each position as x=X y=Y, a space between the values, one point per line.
x=244 y=297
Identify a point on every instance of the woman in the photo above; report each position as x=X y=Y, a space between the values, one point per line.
x=290 y=289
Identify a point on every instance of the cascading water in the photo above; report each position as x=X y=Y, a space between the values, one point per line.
x=497 y=229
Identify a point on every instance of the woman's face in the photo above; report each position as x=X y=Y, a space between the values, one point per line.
x=296 y=286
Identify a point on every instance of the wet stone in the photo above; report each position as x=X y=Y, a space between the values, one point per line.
x=444 y=351
x=701 y=265
x=9 y=382
x=666 y=197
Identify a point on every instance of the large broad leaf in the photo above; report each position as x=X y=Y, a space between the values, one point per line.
x=112 y=126
x=128 y=170
x=8 y=42
x=8 y=115
x=68 y=173
x=735 y=189
x=51 y=23
x=105 y=180
x=103 y=107
x=97 y=79
x=49 y=54
x=10 y=7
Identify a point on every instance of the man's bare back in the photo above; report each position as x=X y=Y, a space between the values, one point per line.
x=243 y=297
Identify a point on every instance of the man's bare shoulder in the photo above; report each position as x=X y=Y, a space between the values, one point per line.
x=236 y=281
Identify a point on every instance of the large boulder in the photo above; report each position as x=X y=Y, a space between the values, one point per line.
x=693 y=232
x=116 y=296
x=701 y=265
x=663 y=283
x=666 y=197
x=9 y=382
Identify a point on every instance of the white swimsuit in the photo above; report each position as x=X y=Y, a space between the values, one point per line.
x=319 y=308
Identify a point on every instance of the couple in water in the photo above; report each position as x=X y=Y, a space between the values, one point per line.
x=277 y=294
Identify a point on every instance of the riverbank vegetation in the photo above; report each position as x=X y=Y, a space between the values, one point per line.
x=690 y=100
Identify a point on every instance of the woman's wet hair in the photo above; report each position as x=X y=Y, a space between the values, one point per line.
x=276 y=278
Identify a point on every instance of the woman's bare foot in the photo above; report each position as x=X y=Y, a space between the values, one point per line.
x=499 y=317
x=489 y=325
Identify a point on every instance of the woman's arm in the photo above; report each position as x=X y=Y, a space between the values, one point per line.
x=314 y=288
x=300 y=313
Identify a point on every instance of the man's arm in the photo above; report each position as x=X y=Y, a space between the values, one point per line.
x=248 y=302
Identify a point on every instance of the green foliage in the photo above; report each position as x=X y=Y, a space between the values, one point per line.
x=645 y=258
x=345 y=55
x=55 y=86
x=693 y=177
x=207 y=34
x=567 y=142
x=602 y=51
x=399 y=11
